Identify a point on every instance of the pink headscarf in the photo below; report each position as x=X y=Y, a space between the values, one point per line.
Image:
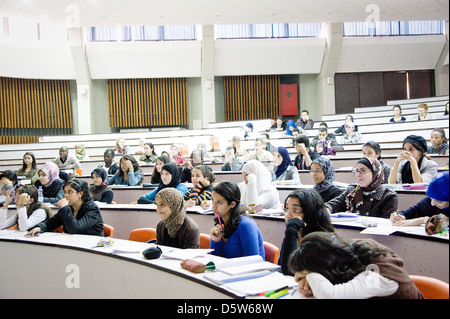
x=51 y=170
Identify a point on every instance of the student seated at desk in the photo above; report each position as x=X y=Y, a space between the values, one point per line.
x=176 y=154
x=66 y=161
x=373 y=149
x=78 y=214
x=369 y=197
x=439 y=143
x=257 y=188
x=80 y=152
x=100 y=189
x=413 y=165
x=283 y=171
x=304 y=212
x=329 y=267
x=128 y=174
x=52 y=185
x=232 y=163
x=260 y=153
x=202 y=179
x=109 y=165
x=234 y=234
x=175 y=229
x=436 y=202
x=29 y=168
x=170 y=177
x=8 y=183
x=156 y=174
x=324 y=175
x=305 y=155
x=149 y=156
x=29 y=211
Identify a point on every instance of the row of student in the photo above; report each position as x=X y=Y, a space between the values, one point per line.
x=411 y=166
x=310 y=249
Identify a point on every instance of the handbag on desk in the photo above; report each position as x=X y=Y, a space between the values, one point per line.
x=436 y=224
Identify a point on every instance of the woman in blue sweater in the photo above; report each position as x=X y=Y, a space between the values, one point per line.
x=234 y=234
x=170 y=177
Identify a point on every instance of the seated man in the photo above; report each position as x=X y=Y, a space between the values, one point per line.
x=305 y=156
x=260 y=153
x=266 y=143
x=232 y=163
x=323 y=137
x=305 y=122
x=66 y=161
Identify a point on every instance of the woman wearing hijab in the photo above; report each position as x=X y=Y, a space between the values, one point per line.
x=283 y=171
x=290 y=126
x=52 y=185
x=348 y=119
x=175 y=229
x=413 y=165
x=248 y=130
x=80 y=152
x=436 y=202
x=156 y=174
x=257 y=188
x=100 y=189
x=369 y=197
x=324 y=175
x=170 y=177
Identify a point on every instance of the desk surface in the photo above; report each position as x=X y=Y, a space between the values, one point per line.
x=56 y=265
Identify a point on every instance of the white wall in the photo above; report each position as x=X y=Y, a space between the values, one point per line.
x=390 y=53
x=269 y=56
x=144 y=59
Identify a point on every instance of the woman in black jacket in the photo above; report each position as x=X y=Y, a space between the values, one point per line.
x=78 y=214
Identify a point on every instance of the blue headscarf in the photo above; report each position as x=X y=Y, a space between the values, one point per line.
x=285 y=163
x=288 y=124
x=439 y=187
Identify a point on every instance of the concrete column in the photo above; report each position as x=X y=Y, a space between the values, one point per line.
x=441 y=73
x=325 y=80
x=208 y=109
x=82 y=111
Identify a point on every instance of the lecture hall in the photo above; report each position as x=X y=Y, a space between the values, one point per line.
x=244 y=150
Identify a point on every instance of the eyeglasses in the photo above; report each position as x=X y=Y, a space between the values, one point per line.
x=315 y=171
x=361 y=171
x=292 y=211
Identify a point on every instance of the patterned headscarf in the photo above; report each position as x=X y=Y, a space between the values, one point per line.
x=82 y=154
x=52 y=171
x=377 y=178
x=177 y=205
x=328 y=171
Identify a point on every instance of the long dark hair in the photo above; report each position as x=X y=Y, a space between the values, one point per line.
x=33 y=164
x=33 y=193
x=80 y=186
x=331 y=256
x=315 y=212
x=133 y=162
x=230 y=191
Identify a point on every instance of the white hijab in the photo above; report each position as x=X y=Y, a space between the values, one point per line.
x=262 y=173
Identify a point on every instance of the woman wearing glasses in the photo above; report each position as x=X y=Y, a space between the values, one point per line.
x=78 y=214
x=304 y=212
x=368 y=197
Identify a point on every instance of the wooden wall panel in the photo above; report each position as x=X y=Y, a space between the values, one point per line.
x=251 y=97
x=134 y=103
x=33 y=105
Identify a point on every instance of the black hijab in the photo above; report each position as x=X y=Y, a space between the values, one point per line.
x=173 y=170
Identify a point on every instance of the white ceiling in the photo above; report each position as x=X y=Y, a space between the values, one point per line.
x=184 y=12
